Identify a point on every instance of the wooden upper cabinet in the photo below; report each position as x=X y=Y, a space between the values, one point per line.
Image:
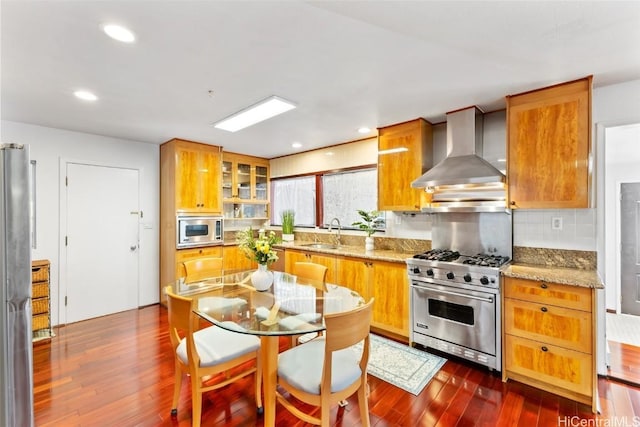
x=245 y=179
x=404 y=153
x=196 y=173
x=548 y=145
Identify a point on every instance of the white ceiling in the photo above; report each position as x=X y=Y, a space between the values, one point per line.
x=345 y=64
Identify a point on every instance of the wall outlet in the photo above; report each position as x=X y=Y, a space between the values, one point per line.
x=556 y=223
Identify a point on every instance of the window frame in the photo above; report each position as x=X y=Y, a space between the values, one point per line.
x=319 y=221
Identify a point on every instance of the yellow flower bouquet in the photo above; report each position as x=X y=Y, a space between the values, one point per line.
x=258 y=249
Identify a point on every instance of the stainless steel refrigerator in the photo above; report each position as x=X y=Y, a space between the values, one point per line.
x=16 y=353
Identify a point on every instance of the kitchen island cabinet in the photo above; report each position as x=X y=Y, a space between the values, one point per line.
x=404 y=154
x=549 y=337
x=549 y=146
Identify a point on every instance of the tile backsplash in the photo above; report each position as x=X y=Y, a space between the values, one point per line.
x=555 y=228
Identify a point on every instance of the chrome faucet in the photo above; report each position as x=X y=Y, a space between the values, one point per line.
x=339 y=228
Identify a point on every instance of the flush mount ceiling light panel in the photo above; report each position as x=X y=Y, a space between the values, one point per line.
x=256 y=113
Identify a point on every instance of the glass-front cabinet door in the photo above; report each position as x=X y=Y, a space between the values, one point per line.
x=243 y=181
x=227 y=180
x=245 y=186
x=262 y=183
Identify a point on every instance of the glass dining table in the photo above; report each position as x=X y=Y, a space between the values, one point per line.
x=291 y=306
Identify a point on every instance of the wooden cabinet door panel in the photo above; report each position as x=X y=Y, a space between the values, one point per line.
x=556 y=366
x=390 y=289
x=186 y=179
x=397 y=169
x=234 y=259
x=210 y=181
x=328 y=261
x=549 y=145
x=292 y=256
x=183 y=255
x=353 y=273
x=548 y=293
x=554 y=325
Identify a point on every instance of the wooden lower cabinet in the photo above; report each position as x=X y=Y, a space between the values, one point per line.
x=183 y=255
x=354 y=273
x=234 y=259
x=329 y=261
x=549 y=338
x=387 y=283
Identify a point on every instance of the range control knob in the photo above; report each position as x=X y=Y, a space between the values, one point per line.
x=450 y=275
x=415 y=270
x=467 y=277
x=484 y=280
x=430 y=272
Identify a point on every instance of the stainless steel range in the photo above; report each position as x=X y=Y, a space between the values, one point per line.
x=455 y=288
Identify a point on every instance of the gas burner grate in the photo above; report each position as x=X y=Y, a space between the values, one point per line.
x=444 y=255
x=486 y=260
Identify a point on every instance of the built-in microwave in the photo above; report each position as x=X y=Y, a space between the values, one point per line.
x=193 y=231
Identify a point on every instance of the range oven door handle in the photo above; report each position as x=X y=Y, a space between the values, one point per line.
x=490 y=300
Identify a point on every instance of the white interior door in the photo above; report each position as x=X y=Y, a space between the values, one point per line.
x=630 y=248
x=101 y=241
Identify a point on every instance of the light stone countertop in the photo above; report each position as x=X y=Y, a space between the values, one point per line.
x=353 y=251
x=566 y=276
x=345 y=250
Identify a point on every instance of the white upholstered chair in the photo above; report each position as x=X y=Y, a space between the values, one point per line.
x=205 y=353
x=327 y=370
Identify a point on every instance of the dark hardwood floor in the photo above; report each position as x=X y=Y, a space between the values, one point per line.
x=117 y=370
x=624 y=362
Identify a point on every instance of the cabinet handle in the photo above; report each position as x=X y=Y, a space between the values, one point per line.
x=544 y=285
x=543 y=309
x=544 y=348
x=513 y=203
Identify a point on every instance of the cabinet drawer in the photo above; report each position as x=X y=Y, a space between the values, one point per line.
x=40 y=306
x=556 y=366
x=39 y=272
x=187 y=254
x=40 y=321
x=210 y=251
x=39 y=290
x=554 y=325
x=548 y=293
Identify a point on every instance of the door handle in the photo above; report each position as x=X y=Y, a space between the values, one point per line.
x=133 y=248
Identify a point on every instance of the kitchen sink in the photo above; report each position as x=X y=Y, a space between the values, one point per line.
x=320 y=246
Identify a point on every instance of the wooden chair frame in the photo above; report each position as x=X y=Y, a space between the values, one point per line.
x=202 y=268
x=182 y=324
x=343 y=330
x=317 y=273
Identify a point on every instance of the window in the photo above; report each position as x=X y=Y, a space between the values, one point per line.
x=341 y=195
x=344 y=193
x=298 y=194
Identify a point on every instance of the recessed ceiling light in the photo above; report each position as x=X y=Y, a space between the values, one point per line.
x=85 y=95
x=296 y=145
x=329 y=153
x=119 y=33
x=502 y=160
x=364 y=129
x=256 y=113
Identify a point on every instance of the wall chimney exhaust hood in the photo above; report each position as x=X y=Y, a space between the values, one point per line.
x=464 y=181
